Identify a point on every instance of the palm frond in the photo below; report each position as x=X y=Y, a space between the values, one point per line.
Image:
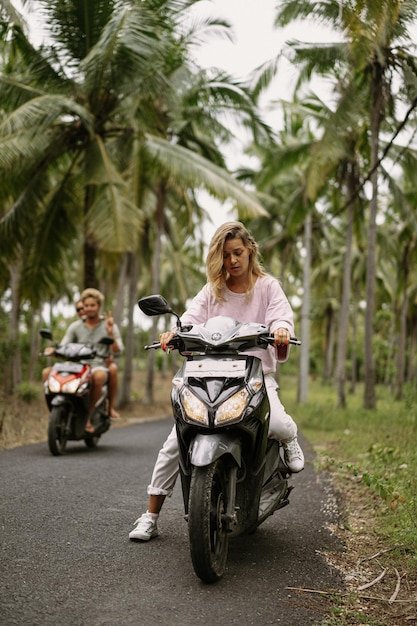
x=128 y=49
x=113 y=220
x=324 y=11
x=198 y=172
x=262 y=77
x=35 y=118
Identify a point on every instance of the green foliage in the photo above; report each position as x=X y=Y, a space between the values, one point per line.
x=27 y=392
x=341 y=614
x=373 y=452
x=159 y=358
x=374 y=448
x=410 y=398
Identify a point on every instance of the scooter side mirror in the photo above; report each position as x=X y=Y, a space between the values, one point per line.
x=107 y=341
x=45 y=333
x=154 y=305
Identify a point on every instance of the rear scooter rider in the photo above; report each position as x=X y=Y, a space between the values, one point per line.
x=79 y=307
x=89 y=330
x=110 y=363
x=237 y=287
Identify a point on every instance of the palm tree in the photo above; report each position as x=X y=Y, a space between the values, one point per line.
x=281 y=178
x=70 y=121
x=66 y=130
x=323 y=165
x=376 y=51
x=400 y=278
x=64 y=111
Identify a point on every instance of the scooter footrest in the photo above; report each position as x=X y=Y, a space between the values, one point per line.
x=273 y=483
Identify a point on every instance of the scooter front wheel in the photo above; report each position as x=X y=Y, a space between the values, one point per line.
x=209 y=539
x=57 y=430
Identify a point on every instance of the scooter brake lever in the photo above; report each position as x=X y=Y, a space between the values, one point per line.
x=293 y=340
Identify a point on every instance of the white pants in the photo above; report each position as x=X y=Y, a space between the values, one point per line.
x=165 y=472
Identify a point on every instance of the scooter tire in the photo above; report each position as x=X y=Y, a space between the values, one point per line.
x=57 y=430
x=208 y=535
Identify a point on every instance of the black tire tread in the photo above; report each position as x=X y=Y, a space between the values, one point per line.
x=208 y=538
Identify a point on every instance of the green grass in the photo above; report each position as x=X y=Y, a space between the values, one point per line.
x=375 y=449
x=378 y=446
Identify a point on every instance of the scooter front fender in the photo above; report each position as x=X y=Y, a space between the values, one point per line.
x=58 y=400
x=208 y=448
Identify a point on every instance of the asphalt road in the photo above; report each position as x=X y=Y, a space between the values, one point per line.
x=66 y=558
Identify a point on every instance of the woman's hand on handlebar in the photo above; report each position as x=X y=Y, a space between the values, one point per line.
x=282 y=336
x=166 y=338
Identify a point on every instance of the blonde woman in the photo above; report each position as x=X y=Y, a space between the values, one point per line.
x=237 y=287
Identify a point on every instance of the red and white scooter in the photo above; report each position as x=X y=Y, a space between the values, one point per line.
x=67 y=392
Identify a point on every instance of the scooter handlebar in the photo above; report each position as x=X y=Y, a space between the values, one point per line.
x=293 y=340
x=154 y=346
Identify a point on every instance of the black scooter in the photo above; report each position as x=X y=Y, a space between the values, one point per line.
x=233 y=476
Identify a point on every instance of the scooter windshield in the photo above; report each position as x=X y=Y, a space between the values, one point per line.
x=223 y=334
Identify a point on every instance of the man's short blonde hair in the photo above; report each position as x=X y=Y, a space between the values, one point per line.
x=92 y=293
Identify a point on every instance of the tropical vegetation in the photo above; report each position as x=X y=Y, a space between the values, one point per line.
x=372 y=507
x=110 y=132
x=111 y=138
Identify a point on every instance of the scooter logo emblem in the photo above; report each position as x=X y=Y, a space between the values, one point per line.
x=216 y=336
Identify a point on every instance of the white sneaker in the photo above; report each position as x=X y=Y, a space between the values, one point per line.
x=293 y=455
x=145 y=528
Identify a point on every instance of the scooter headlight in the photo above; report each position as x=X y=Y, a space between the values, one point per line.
x=194 y=409
x=232 y=408
x=71 y=386
x=54 y=385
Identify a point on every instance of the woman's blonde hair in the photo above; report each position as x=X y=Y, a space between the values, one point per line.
x=216 y=273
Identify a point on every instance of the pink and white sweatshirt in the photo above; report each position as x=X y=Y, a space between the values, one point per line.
x=268 y=305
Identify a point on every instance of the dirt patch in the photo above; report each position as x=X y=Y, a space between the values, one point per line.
x=140 y=409
x=379 y=587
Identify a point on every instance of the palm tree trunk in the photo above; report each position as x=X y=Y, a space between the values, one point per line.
x=126 y=387
x=412 y=352
x=34 y=344
x=90 y=252
x=305 y=315
x=123 y=278
x=156 y=266
x=353 y=351
x=344 y=306
x=369 y=400
x=15 y=368
x=401 y=347
x=388 y=382
x=329 y=345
